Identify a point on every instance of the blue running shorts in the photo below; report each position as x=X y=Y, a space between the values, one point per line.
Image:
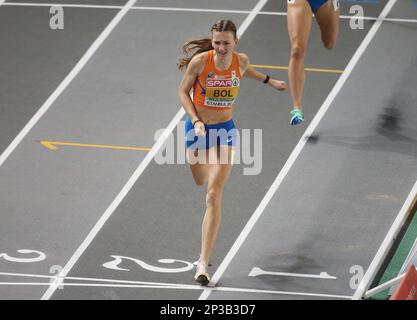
x=224 y=133
x=315 y=4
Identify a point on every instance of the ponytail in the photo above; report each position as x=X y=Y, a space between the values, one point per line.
x=193 y=47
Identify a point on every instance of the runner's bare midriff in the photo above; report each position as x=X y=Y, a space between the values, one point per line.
x=213 y=116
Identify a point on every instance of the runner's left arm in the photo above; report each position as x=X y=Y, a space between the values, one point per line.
x=251 y=72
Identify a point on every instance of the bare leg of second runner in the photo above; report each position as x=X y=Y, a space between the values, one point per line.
x=327 y=17
x=299 y=17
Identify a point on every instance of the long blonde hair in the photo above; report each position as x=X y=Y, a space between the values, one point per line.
x=193 y=47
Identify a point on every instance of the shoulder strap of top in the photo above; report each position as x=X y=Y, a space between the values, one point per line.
x=235 y=64
x=208 y=65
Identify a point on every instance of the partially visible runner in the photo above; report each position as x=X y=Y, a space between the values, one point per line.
x=299 y=16
x=213 y=71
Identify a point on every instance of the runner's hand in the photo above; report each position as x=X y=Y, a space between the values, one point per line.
x=199 y=128
x=279 y=85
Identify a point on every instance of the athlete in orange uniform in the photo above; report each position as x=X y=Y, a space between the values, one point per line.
x=213 y=71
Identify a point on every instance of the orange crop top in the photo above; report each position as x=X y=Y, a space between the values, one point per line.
x=217 y=89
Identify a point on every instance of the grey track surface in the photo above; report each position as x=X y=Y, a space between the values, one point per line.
x=407 y=10
x=91 y=2
x=32 y=63
x=214 y=4
x=352 y=179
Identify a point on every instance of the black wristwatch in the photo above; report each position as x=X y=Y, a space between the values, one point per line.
x=196 y=121
x=266 y=79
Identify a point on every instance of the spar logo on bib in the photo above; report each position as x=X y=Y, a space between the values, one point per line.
x=222 y=92
x=219 y=83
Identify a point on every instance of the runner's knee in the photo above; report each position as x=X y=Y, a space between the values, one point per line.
x=297 y=52
x=213 y=198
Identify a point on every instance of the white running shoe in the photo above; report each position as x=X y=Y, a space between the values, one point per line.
x=201 y=275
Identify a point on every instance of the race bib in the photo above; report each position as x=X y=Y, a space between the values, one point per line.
x=221 y=93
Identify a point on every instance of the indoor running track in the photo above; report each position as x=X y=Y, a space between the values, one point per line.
x=86 y=210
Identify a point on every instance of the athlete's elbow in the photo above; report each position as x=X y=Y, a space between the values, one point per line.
x=181 y=94
x=181 y=98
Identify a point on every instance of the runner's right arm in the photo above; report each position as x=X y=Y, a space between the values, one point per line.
x=193 y=70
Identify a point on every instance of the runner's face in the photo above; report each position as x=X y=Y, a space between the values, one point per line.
x=223 y=43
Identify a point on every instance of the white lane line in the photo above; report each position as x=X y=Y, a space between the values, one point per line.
x=255 y=272
x=290 y=293
x=400 y=20
x=143 y=284
x=77 y=68
x=65 y=284
x=70 y=284
x=202 y=10
x=173 y=9
x=25 y=284
x=252 y=15
x=386 y=245
x=66 y=5
x=27 y=275
x=2 y=2
x=138 y=172
x=297 y=150
x=155 y=285
x=13 y=274
x=182 y=287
